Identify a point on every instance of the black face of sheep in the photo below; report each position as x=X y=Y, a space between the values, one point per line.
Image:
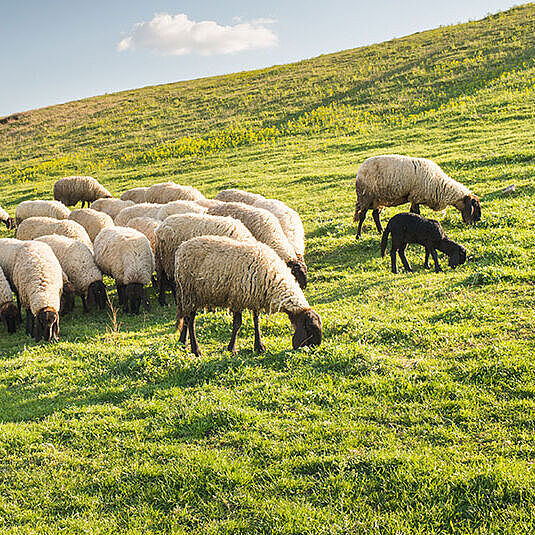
x=46 y=326
x=134 y=297
x=457 y=255
x=307 y=327
x=67 y=299
x=10 y=317
x=471 y=210
x=97 y=295
x=299 y=271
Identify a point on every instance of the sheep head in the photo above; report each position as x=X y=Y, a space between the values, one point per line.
x=10 y=316
x=46 y=325
x=299 y=271
x=307 y=328
x=134 y=297
x=471 y=209
x=97 y=295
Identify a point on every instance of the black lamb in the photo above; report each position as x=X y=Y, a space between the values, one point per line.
x=413 y=228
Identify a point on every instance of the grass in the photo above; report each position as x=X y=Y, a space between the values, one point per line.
x=415 y=415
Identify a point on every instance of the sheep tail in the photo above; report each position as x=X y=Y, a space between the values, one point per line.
x=384 y=239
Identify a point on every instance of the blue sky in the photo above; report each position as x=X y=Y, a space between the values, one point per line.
x=54 y=51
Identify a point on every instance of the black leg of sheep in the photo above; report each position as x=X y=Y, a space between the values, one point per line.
x=426 y=261
x=435 y=259
x=193 y=336
x=259 y=347
x=184 y=332
x=236 y=324
x=362 y=217
x=404 y=260
x=376 y=218
x=29 y=322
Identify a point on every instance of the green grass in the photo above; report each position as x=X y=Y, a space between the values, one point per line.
x=415 y=415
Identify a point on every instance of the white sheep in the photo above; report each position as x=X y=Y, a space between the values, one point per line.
x=38 y=278
x=6 y=219
x=391 y=180
x=39 y=208
x=72 y=189
x=265 y=227
x=92 y=220
x=180 y=207
x=125 y=254
x=238 y=195
x=78 y=264
x=33 y=227
x=136 y=195
x=216 y=271
x=147 y=226
x=9 y=313
x=143 y=209
x=111 y=206
x=177 y=229
x=169 y=191
x=208 y=203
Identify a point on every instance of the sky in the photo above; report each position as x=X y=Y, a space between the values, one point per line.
x=54 y=51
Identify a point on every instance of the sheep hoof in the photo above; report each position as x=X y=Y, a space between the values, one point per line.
x=260 y=348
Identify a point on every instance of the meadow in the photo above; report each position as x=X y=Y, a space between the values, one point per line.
x=417 y=412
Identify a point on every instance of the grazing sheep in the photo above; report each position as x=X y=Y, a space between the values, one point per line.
x=216 y=271
x=9 y=248
x=208 y=203
x=413 y=228
x=289 y=219
x=54 y=209
x=169 y=191
x=143 y=209
x=391 y=180
x=38 y=278
x=125 y=254
x=92 y=220
x=33 y=227
x=5 y=218
x=177 y=229
x=147 y=226
x=238 y=195
x=180 y=207
x=72 y=189
x=111 y=206
x=78 y=263
x=265 y=227
x=9 y=312
x=136 y=195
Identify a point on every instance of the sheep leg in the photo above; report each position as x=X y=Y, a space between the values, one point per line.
x=193 y=336
x=29 y=322
x=259 y=347
x=184 y=332
x=375 y=214
x=161 y=289
x=362 y=217
x=84 y=304
x=415 y=208
x=404 y=260
x=393 y=252
x=435 y=259
x=236 y=324
x=426 y=261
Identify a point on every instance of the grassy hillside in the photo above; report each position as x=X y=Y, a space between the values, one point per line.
x=415 y=415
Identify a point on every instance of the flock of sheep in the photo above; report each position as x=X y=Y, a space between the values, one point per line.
x=238 y=251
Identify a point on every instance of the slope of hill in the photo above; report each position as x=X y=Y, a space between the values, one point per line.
x=417 y=412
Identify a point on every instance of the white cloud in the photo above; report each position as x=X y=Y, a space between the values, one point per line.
x=177 y=35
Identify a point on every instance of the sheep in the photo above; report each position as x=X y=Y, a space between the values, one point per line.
x=125 y=254
x=136 y=195
x=39 y=208
x=391 y=180
x=169 y=191
x=208 y=203
x=412 y=228
x=180 y=207
x=238 y=195
x=38 y=278
x=111 y=206
x=72 y=189
x=9 y=312
x=5 y=218
x=78 y=264
x=9 y=248
x=143 y=209
x=33 y=227
x=289 y=219
x=265 y=227
x=177 y=229
x=217 y=271
x=92 y=220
